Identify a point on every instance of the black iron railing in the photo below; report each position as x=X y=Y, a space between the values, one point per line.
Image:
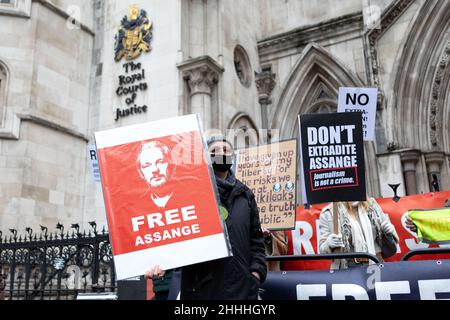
x=325 y=257
x=426 y=251
x=55 y=266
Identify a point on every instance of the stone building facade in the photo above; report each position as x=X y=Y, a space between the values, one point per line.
x=243 y=65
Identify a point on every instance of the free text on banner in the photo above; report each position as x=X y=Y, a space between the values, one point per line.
x=159 y=196
x=415 y=280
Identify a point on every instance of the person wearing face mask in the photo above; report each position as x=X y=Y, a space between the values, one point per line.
x=363 y=228
x=240 y=276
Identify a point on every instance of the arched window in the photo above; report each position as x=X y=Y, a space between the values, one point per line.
x=242 y=66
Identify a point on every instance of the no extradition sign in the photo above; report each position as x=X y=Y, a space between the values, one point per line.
x=159 y=196
x=333 y=157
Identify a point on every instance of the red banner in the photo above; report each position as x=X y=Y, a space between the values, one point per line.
x=303 y=240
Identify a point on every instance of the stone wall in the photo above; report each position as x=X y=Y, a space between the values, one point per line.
x=42 y=157
x=58 y=57
x=162 y=76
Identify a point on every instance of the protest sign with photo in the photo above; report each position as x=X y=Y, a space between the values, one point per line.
x=361 y=100
x=270 y=172
x=160 y=201
x=333 y=157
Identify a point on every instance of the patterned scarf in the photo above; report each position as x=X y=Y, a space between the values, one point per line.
x=375 y=219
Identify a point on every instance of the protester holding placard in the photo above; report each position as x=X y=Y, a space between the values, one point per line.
x=411 y=225
x=160 y=198
x=332 y=158
x=237 y=277
x=363 y=228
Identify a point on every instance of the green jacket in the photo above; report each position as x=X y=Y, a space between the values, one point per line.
x=433 y=226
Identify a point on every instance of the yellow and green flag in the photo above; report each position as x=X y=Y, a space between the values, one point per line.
x=433 y=225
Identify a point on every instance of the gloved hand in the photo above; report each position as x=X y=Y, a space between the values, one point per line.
x=410 y=225
x=334 y=241
x=387 y=227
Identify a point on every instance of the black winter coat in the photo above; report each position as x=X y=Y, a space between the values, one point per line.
x=231 y=278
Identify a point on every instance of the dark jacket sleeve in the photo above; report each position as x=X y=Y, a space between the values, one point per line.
x=257 y=248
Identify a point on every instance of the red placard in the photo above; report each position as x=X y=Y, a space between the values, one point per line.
x=159 y=195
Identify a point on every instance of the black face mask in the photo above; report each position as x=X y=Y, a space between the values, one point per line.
x=222 y=163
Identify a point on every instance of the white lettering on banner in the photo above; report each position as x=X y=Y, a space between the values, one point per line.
x=334 y=163
x=301 y=237
x=374 y=278
x=171 y=217
x=318 y=233
x=429 y=288
x=384 y=290
x=329 y=135
x=306 y=291
x=167 y=234
x=342 y=291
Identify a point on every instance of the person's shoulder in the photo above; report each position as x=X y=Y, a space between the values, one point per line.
x=243 y=187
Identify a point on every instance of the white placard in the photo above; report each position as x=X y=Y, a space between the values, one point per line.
x=93 y=159
x=159 y=196
x=364 y=100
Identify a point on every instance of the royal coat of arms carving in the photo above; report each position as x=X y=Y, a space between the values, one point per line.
x=134 y=36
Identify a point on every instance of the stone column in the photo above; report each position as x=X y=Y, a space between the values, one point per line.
x=202 y=75
x=434 y=161
x=409 y=160
x=265 y=83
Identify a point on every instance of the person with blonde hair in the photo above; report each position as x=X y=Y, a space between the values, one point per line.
x=363 y=227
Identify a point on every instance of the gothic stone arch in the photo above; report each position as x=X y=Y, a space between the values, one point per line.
x=418 y=108
x=418 y=99
x=312 y=85
x=316 y=68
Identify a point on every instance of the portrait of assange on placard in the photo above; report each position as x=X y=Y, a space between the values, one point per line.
x=170 y=214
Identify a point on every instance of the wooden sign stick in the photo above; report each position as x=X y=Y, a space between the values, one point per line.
x=335 y=218
x=336 y=227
